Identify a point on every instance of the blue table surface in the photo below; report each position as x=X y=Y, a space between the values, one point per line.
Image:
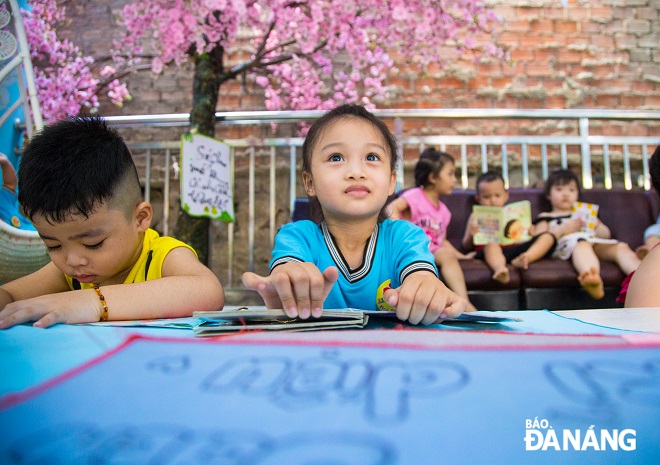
x=31 y=355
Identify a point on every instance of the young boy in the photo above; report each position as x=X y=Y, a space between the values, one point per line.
x=491 y=192
x=80 y=188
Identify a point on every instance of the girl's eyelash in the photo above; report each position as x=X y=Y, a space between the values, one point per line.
x=53 y=248
x=95 y=246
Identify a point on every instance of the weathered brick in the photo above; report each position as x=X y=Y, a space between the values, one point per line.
x=640 y=55
x=638 y=26
x=540 y=26
x=566 y=26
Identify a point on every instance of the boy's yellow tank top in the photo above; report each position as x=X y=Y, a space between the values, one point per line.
x=149 y=265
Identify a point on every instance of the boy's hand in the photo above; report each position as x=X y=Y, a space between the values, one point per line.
x=297 y=288
x=423 y=298
x=47 y=310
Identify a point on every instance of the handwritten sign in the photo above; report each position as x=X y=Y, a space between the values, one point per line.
x=205 y=179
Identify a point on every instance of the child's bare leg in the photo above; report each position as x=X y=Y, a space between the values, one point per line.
x=619 y=253
x=452 y=273
x=537 y=251
x=497 y=262
x=591 y=281
x=587 y=266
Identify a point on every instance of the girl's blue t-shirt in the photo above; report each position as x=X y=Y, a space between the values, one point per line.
x=395 y=250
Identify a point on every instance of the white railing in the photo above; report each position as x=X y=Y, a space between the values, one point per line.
x=506 y=152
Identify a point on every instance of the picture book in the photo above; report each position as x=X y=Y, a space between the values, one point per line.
x=240 y=319
x=505 y=225
x=587 y=212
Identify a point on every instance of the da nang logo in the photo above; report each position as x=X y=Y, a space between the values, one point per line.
x=540 y=435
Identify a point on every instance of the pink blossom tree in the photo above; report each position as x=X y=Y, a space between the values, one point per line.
x=305 y=54
x=67 y=81
x=294 y=45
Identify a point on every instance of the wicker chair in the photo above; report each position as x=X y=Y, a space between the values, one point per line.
x=21 y=252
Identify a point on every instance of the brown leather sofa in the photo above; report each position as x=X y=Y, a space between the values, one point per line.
x=549 y=283
x=552 y=283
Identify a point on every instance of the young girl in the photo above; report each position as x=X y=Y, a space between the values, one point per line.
x=562 y=189
x=354 y=258
x=434 y=176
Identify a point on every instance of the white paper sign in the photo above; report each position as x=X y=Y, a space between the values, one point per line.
x=205 y=179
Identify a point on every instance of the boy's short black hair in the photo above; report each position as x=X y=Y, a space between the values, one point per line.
x=561 y=177
x=73 y=166
x=488 y=176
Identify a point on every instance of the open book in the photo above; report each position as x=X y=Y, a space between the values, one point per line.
x=505 y=225
x=259 y=318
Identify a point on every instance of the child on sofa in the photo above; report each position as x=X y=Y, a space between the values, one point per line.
x=491 y=192
x=434 y=176
x=562 y=189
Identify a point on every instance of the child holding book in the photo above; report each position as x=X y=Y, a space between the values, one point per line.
x=643 y=290
x=491 y=192
x=562 y=189
x=9 y=210
x=355 y=258
x=434 y=176
x=80 y=188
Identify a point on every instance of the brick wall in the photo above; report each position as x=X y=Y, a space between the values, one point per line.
x=591 y=54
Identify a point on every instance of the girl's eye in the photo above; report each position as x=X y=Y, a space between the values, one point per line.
x=54 y=248
x=95 y=246
x=373 y=157
x=335 y=157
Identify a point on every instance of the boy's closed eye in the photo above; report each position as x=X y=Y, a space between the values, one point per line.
x=95 y=246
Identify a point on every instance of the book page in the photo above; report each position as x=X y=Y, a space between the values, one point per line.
x=588 y=212
x=504 y=225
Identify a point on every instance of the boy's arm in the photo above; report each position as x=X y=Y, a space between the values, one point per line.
x=398 y=209
x=187 y=285
x=47 y=280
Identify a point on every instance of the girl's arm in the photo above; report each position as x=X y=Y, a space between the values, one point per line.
x=398 y=209
x=8 y=173
x=470 y=230
x=602 y=230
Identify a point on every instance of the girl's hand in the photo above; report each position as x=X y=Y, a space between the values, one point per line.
x=423 y=298
x=47 y=310
x=297 y=288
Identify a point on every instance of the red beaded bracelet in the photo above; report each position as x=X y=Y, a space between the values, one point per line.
x=104 y=312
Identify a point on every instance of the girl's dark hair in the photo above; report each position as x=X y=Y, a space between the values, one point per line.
x=431 y=162
x=561 y=177
x=654 y=169
x=72 y=166
x=316 y=130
